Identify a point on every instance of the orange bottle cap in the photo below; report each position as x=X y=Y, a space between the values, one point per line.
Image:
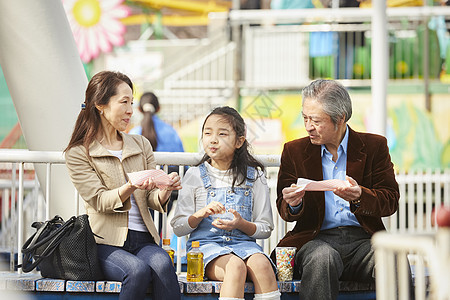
x=195 y=244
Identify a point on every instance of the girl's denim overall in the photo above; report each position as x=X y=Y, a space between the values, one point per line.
x=215 y=242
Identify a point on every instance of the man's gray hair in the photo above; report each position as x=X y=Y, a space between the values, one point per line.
x=333 y=96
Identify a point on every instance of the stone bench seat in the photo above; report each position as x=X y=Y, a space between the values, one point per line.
x=41 y=287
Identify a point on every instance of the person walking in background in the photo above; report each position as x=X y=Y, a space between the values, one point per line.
x=98 y=157
x=228 y=181
x=333 y=228
x=161 y=135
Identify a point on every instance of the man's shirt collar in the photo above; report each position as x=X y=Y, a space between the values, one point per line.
x=342 y=146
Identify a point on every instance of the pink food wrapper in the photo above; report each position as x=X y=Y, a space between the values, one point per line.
x=159 y=177
x=324 y=185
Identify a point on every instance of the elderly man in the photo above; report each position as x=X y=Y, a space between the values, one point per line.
x=333 y=228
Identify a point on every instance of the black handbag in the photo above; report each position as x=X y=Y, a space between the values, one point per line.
x=63 y=250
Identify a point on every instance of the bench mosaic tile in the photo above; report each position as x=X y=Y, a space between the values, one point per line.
x=108 y=286
x=80 y=286
x=198 y=287
x=50 y=285
x=248 y=287
x=350 y=286
x=116 y=286
x=22 y=282
x=286 y=286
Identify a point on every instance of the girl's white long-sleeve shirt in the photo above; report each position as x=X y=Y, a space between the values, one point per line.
x=192 y=197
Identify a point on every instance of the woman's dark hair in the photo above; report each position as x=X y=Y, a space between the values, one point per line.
x=242 y=157
x=99 y=91
x=149 y=105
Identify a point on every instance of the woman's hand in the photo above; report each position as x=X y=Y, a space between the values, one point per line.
x=146 y=185
x=126 y=190
x=175 y=184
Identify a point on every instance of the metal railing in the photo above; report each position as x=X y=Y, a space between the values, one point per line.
x=287 y=48
x=431 y=265
x=193 y=91
x=419 y=194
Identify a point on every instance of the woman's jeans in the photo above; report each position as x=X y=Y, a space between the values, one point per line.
x=140 y=263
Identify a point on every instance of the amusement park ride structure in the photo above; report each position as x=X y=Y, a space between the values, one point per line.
x=175 y=12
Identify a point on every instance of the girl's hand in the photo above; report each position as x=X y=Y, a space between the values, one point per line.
x=211 y=209
x=229 y=224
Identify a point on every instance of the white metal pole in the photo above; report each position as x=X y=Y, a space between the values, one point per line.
x=5 y=215
x=164 y=215
x=235 y=4
x=20 y=218
x=335 y=4
x=379 y=67
x=48 y=191
x=13 y=217
x=77 y=201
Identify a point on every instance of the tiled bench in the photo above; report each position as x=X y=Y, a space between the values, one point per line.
x=43 y=288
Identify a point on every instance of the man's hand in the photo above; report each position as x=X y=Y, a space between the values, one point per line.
x=292 y=196
x=351 y=193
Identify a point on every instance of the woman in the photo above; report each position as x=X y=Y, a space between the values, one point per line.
x=161 y=135
x=98 y=157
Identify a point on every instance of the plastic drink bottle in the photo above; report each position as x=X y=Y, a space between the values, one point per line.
x=195 y=263
x=169 y=250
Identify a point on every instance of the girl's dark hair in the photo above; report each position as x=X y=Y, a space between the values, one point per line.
x=149 y=105
x=242 y=157
x=99 y=91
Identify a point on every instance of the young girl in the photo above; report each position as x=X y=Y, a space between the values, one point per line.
x=228 y=180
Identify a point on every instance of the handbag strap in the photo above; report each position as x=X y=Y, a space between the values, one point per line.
x=55 y=239
x=30 y=244
x=60 y=233
x=62 y=229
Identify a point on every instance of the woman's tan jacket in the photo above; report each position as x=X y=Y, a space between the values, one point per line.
x=98 y=181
